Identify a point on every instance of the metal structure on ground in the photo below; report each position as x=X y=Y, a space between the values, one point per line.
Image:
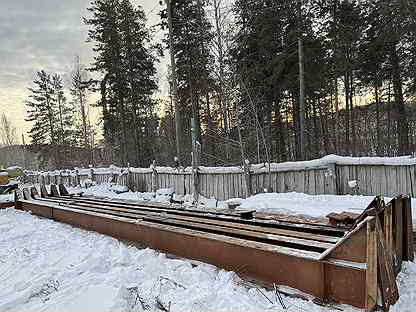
x=356 y=265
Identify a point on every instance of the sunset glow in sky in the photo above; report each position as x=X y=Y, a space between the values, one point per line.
x=43 y=34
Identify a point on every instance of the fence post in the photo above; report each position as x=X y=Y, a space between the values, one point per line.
x=195 y=161
x=154 y=177
x=247 y=177
x=129 y=180
x=92 y=175
x=331 y=179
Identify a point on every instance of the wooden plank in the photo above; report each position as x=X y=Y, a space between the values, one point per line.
x=398 y=231
x=408 y=251
x=385 y=270
x=388 y=227
x=226 y=185
x=371 y=272
x=234 y=217
x=391 y=175
x=312 y=186
x=377 y=179
x=251 y=232
x=318 y=183
x=367 y=185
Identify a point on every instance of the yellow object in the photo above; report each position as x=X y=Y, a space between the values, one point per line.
x=4 y=177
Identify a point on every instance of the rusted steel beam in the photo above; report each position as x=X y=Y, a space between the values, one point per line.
x=4 y=205
x=408 y=249
x=247 y=233
x=340 y=281
x=347 y=268
x=178 y=208
x=398 y=232
x=308 y=228
x=201 y=220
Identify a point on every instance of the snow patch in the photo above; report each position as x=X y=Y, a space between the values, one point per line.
x=49 y=266
x=6 y=198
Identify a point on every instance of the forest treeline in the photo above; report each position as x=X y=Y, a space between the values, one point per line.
x=237 y=74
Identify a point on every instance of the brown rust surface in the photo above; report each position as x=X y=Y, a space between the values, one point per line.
x=4 y=205
x=299 y=269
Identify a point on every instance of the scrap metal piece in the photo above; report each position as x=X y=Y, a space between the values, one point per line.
x=342 y=219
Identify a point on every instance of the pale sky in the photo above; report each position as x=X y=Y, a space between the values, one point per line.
x=45 y=34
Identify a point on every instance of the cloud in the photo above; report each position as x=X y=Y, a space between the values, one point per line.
x=41 y=34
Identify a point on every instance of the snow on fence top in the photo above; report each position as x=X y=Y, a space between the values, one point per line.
x=263 y=167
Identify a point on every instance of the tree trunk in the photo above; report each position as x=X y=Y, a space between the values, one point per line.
x=347 y=113
x=400 y=111
x=221 y=98
x=354 y=135
x=378 y=140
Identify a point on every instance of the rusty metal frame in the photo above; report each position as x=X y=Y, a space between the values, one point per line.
x=5 y=205
x=344 y=271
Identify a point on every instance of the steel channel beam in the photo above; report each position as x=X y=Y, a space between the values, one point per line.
x=264 y=262
x=202 y=220
x=302 y=243
x=6 y=205
x=309 y=228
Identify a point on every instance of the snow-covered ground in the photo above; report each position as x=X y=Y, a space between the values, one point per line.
x=6 y=198
x=48 y=266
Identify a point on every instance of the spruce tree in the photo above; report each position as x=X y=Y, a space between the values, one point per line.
x=65 y=113
x=42 y=110
x=125 y=60
x=138 y=61
x=192 y=34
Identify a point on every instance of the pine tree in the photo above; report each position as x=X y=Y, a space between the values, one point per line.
x=389 y=40
x=138 y=60
x=192 y=35
x=65 y=113
x=124 y=58
x=42 y=110
x=104 y=33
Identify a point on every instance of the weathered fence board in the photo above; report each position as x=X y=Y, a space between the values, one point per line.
x=386 y=180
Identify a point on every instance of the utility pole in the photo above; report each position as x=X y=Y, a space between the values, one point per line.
x=301 y=85
x=174 y=83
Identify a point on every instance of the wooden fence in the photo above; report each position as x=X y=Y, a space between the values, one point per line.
x=386 y=180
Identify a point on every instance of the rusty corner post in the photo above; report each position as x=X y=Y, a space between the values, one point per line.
x=371 y=272
x=408 y=240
